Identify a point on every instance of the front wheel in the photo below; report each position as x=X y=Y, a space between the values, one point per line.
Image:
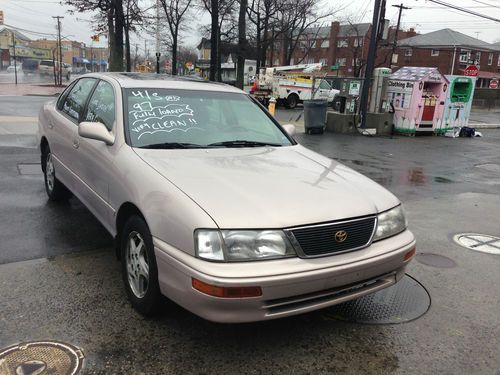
x=139 y=270
x=55 y=189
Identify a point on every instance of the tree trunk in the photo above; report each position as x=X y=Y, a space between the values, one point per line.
x=242 y=41
x=111 y=37
x=214 y=38
x=118 y=41
x=174 y=53
x=127 y=48
x=258 y=44
x=219 y=58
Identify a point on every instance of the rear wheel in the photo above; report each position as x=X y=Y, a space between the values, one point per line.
x=292 y=101
x=139 y=270
x=56 y=191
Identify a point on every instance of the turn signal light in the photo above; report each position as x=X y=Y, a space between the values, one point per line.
x=226 y=292
x=410 y=254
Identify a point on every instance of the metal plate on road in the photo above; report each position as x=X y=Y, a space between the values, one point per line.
x=435 y=260
x=41 y=357
x=400 y=303
x=479 y=242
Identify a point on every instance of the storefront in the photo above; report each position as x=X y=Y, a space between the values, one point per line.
x=417 y=96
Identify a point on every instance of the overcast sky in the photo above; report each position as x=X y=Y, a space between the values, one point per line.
x=36 y=16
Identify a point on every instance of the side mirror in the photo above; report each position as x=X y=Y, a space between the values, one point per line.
x=290 y=129
x=97 y=131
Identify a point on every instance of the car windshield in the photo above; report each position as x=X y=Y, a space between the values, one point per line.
x=170 y=118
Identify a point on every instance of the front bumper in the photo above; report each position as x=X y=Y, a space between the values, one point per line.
x=289 y=286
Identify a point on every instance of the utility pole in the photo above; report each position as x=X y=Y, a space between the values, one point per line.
x=157 y=36
x=60 y=47
x=15 y=57
x=370 y=63
x=395 y=42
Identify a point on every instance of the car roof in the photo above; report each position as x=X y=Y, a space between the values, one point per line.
x=153 y=80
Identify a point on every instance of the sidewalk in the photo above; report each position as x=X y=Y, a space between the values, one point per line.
x=30 y=89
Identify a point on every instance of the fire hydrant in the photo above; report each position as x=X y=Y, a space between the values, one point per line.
x=272 y=106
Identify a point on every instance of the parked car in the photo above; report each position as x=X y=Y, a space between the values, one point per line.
x=30 y=66
x=12 y=68
x=213 y=203
x=46 y=68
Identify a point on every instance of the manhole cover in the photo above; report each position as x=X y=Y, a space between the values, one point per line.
x=400 y=303
x=435 y=260
x=29 y=169
x=40 y=357
x=479 y=242
x=489 y=167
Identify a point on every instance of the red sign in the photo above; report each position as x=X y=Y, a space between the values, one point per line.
x=471 y=71
x=494 y=84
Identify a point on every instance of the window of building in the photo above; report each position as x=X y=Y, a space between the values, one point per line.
x=408 y=52
x=358 y=42
x=342 y=43
x=313 y=44
x=477 y=60
x=310 y=60
x=323 y=61
x=490 y=58
x=292 y=61
x=325 y=43
x=498 y=63
x=464 y=58
x=434 y=52
x=341 y=61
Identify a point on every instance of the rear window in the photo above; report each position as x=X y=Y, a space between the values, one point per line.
x=47 y=63
x=30 y=64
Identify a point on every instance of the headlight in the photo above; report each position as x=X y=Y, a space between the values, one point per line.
x=241 y=245
x=390 y=223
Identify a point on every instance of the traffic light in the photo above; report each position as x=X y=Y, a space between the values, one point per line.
x=95 y=38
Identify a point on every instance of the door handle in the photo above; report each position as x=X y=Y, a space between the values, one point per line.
x=50 y=125
x=76 y=143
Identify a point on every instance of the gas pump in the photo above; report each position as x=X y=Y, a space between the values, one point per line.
x=348 y=97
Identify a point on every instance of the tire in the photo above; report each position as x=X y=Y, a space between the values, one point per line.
x=139 y=269
x=292 y=101
x=56 y=191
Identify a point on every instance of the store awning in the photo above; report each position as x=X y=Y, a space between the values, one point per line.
x=77 y=60
x=85 y=61
x=103 y=62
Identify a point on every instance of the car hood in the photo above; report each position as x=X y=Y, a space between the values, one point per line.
x=269 y=187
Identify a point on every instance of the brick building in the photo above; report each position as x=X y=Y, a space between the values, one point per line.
x=342 y=49
x=451 y=52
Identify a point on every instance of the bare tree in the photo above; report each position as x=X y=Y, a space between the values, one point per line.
x=294 y=18
x=220 y=11
x=175 y=10
x=261 y=14
x=118 y=21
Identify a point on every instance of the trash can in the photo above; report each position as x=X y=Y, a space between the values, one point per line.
x=315 y=115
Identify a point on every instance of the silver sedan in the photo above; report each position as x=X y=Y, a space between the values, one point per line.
x=213 y=204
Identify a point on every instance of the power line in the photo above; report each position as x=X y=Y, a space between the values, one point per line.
x=465 y=10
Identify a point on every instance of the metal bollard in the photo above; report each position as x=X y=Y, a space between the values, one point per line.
x=272 y=106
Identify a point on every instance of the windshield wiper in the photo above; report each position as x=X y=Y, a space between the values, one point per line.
x=243 y=143
x=171 y=145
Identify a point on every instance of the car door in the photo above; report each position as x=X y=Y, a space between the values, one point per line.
x=62 y=131
x=323 y=90
x=95 y=158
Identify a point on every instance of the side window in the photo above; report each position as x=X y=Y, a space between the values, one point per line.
x=63 y=96
x=75 y=101
x=101 y=106
x=324 y=85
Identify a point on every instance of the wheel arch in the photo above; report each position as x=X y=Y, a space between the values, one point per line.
x=125 y=211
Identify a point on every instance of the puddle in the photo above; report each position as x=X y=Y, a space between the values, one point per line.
x=435 y=260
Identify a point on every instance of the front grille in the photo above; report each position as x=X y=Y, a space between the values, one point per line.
x=317 y=240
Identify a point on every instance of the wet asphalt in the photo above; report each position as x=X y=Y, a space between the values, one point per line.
x=60 y=280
